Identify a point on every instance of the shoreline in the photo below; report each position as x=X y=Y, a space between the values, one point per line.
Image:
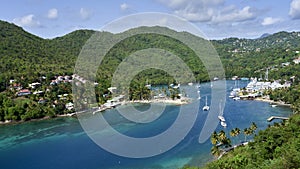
x=168 y=101
x=279 y=103
x=164 y=101
x=102 y=108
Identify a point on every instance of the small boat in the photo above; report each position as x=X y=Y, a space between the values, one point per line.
x=190 y=84
x=236 y=98
x=273 y=105
x=234 y=78
x=245 y=78
x=223 y=124
x=221 y=118
x=206 y=107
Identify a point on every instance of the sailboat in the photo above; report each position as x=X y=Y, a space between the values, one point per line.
x=223 y=123
x=220 y=117
x=206 y=107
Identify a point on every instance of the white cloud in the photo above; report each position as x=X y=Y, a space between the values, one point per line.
x=194 y=10
x=85 y=14
x=27 y=21
x=124 y=6
x=234 y=15
x=213 y=11
x=295 y=9
x=270 y=21
x=52 y=13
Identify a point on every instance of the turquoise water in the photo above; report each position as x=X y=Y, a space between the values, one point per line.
x=61 y=143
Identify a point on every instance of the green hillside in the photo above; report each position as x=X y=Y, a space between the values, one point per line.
x=27 y=56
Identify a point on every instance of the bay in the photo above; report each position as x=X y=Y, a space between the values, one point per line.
x=61 y=143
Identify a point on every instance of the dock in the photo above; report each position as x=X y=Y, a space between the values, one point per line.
x=276 y=117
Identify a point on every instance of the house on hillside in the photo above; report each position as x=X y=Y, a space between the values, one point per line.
x=285 y=64
x=23 y=92
x=69 y=106
x=16 y=86
x=34 y=85
x=297 y=60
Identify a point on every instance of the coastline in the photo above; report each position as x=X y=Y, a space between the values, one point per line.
x=169 y=101
x=279 y=103
x=103 y=108
x=11 y=122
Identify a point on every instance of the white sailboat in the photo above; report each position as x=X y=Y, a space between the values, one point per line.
x=206 y=107
x=223 y=123
x=220 y=117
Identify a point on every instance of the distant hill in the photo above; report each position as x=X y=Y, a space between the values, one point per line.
x=264 y=35
x=280 y=39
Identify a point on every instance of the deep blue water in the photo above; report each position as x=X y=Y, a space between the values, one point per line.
x=61 y=143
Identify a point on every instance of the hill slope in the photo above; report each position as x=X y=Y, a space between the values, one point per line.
x=24 y=55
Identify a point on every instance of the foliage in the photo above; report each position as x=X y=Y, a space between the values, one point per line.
x=276 y=147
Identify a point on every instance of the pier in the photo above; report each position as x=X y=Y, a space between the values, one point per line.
x=276 y=117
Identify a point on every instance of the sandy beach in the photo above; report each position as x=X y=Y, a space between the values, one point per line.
x=167 y=101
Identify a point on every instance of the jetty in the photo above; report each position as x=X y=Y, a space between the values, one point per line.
x=276 y=117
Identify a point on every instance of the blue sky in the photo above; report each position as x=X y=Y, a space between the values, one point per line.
x=217 y=19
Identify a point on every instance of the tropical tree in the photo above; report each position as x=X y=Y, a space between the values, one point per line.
x=247 y=132
x=214 y=138
x=215 y=151
x=235 y=132
x=253 y=127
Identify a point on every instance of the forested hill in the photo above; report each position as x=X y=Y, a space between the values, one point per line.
x=23 y=54
x=277 y=40
x=27 y=56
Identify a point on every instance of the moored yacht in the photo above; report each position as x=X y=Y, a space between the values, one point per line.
x=221 y=118
x=223 y=123
x=206 y=107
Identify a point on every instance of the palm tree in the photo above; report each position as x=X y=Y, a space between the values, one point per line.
x=214 y=138
x=253 y=127
x=237 y=131
x=232 y=133
x=247 y=132
x=223 y=139
x=221 y=136
x=215 y=151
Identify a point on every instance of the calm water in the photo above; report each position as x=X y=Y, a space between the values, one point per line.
x=61 y=143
